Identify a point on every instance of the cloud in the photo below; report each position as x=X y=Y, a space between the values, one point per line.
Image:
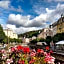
x=2 y=21
x=4 y=4
x=55 y=0
x=56 y=13
x=18 y=19
x=24 y=29
x=50 y=16
x=16 y=9
x=7 y=5
x=20 y=29
x=39 y=9
x=25 y=21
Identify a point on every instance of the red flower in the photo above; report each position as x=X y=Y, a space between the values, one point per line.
x=40 y=51
x=12 y=49
x=47 y=47
x=21 y=62
x=26 y=50
x=19 y=47
x=51 y=51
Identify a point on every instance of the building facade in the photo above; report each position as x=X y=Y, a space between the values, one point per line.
x=58 y=26
x=45 y=32
x=54 y=26
x=10 y=33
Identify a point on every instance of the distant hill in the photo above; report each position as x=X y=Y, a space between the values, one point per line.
x=30 y=33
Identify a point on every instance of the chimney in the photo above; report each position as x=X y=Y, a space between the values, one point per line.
x=50 y=26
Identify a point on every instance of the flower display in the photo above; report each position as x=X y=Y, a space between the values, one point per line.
x=26 y=50
x=19 y=47
x=40 y=50
x=47 y=47
x=24 y=55
x=21 y=62
x=4 y=56
x=8 y=61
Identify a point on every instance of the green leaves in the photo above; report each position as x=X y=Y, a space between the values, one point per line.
x=2 y=34
x=58 y=37
x=15 y=40
x=48 y=40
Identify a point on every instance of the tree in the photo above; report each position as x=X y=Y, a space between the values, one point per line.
x=19 y=40
x=58 y=37
x=48 y=40
x=33 y=41
x=40 y=40
x=5 y=40
x=15 y=40
x=2 y=34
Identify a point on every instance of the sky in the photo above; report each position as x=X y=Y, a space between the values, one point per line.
x=28 y=15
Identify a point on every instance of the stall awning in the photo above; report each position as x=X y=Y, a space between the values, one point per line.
x=60 y=42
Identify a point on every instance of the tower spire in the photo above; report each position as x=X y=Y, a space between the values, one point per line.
x=62 y=15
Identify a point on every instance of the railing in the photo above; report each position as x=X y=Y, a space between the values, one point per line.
x=59 y=57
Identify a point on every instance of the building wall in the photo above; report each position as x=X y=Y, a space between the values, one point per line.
x=54 y=30
x=10 y=33
x=60 y=28
x=45 y=32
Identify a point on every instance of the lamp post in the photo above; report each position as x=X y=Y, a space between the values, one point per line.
x=7 y=38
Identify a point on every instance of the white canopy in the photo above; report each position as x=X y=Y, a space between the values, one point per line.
x=60 y=42
x=40 y=43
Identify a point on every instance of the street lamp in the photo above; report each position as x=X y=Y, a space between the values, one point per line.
x=8 y=37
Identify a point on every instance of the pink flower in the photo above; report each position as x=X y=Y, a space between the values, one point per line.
x=12 y=49
x=0 y=51
x=3 y=51
x=4 y=56
x=31 y=61
x=49 y=59
x=32 y=54
x=45 y=53
x=9 y=61
x=51 y=51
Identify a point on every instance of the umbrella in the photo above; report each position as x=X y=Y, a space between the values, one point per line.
x=60 y=42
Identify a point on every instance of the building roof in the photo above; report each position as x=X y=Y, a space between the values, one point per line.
x=9 y=30
x=54 y=24
x=58 y=22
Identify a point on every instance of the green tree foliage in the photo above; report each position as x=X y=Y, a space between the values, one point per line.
x=5 y=40
x=48 y=40
x=33 y=41
x=15 y=40
x=58 y=37
x=40 y=40
x=2 y=34
x=30 y=34
x=37 y=40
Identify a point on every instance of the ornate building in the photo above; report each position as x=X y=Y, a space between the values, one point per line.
x=54 y=26
x=58 y=26
x=45 y=32
x=10 y=33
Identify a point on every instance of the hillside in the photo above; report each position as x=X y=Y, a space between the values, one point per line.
x=30 y=33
